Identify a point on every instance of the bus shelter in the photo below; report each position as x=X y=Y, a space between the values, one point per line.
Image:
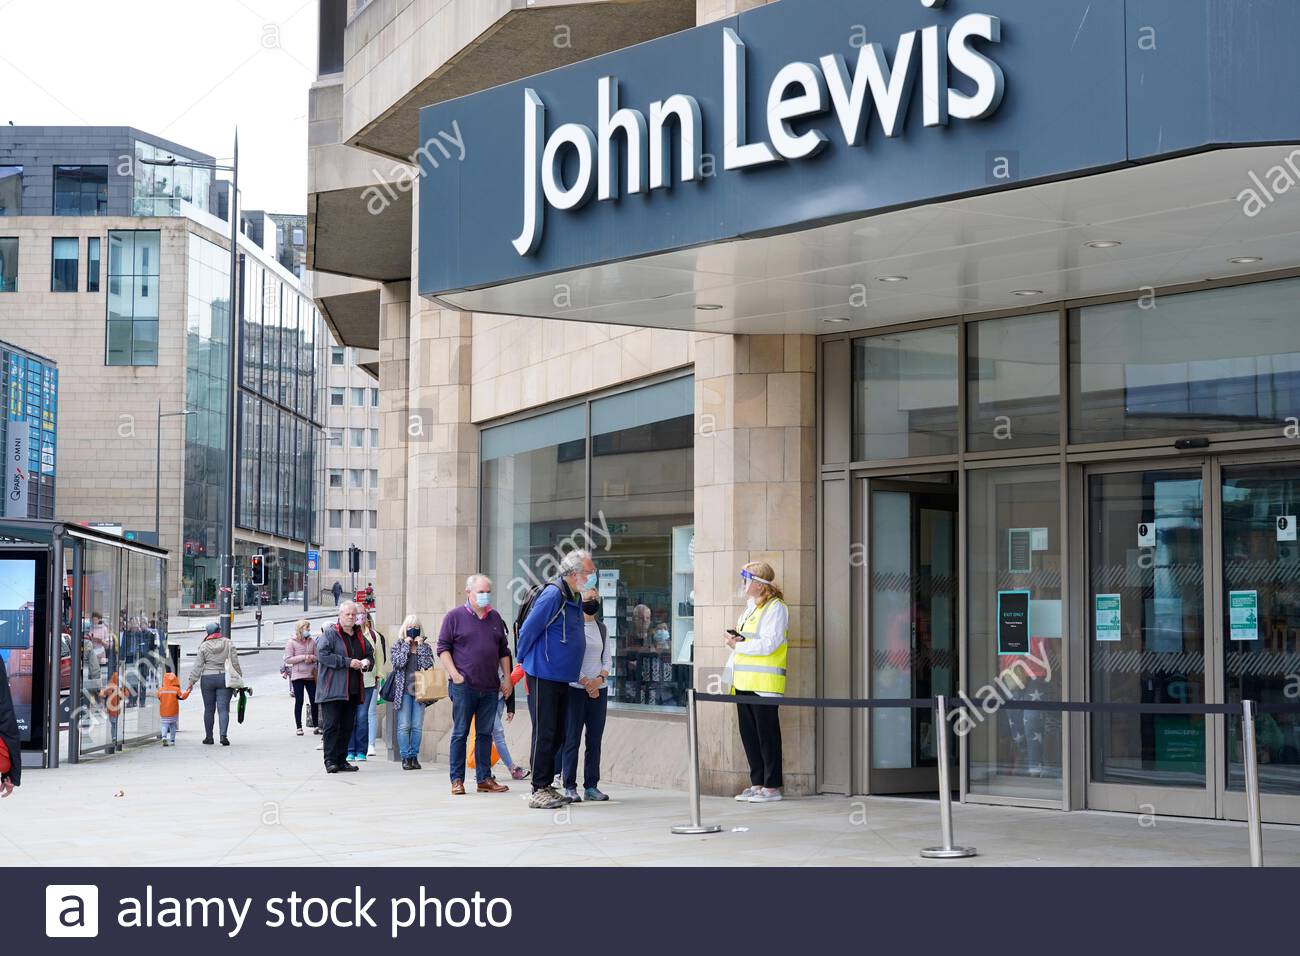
x=83 y=634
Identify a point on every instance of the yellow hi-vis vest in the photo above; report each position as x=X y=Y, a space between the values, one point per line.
x=760 y=672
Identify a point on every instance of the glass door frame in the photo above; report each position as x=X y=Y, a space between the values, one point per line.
x=866 y=779
x=1231 y=804
x=1147 y=798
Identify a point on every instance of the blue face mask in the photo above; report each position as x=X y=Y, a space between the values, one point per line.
x=590 y=583
x=483 y=599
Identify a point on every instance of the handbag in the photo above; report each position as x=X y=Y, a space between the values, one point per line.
x=234 y=679
x=430 y=685
x=388 y=686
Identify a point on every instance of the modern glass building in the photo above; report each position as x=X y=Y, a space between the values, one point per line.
x=119 y=267
x=30 y=386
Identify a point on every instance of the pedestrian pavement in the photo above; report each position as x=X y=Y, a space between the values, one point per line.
x=277 y=624
x=266 y=800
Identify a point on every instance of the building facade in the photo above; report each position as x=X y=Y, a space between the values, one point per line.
x=116 y=269
x=976 y=320
x=349 y=516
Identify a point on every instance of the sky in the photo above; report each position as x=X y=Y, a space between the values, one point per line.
x=186 y=70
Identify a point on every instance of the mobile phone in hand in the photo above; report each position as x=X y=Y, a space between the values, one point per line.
x=736 y=634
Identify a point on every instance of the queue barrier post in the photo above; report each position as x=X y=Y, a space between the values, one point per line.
x=693 y=774
x=949 y=851
x=1251 y=756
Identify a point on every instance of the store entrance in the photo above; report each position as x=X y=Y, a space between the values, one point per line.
x=912 y=622
x=1194 y=596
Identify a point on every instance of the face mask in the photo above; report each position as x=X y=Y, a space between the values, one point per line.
x=591 y=607
x=483 y=598
x=412 y=632
x=590 y=583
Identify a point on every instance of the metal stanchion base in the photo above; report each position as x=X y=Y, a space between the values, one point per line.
x=688 y=829
x=947 y=852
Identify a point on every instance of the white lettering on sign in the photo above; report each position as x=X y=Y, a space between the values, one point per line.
x=798 y=92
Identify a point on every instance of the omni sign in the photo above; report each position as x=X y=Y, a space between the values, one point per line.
x=799 y=92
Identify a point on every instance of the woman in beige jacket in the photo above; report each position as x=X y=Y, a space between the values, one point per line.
x=209 y=672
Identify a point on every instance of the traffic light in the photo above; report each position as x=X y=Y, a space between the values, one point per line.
x=354 y=558
x=258 y=569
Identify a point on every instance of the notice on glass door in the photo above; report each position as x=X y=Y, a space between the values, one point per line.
x=1106 y=613
x=1243 y=615
x=1013 y=622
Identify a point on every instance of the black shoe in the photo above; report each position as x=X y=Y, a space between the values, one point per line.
x=225 y=741
x=331 y=768
x=207 y=740
x=406 y=763
x=348 y=768
x=415 y=764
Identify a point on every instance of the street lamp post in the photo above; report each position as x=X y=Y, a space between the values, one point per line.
x=226 y=590
x=157 y=477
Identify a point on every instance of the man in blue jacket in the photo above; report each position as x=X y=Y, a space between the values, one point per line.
x=551 y=645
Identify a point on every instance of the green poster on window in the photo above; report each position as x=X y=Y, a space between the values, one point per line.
x=1107 y=613
x=1243 y=615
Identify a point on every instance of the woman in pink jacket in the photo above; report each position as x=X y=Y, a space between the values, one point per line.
x=300 y=659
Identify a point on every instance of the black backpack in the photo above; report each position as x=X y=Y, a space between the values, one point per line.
x=527 y=605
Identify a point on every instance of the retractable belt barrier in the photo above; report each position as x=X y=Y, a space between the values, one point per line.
x=1247 y=710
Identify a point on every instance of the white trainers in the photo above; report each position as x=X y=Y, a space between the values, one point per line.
x=744 y=795
x=765 y=795
x=371 y=751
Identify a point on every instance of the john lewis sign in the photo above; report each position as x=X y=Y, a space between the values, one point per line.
x=786 y=117
x=800 y=93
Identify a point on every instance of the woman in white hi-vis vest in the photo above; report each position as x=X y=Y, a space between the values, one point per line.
x=757 y=668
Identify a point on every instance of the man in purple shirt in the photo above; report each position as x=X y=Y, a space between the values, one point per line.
x=476 y=655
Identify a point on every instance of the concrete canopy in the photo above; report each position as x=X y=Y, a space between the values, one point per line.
x=524 y=40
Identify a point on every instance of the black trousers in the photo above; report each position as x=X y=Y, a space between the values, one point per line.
x=548 y=702
x=338 y=718
x=760 y=733
x=305 y=685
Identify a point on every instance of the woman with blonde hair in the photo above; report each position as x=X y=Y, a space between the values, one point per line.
x=411 y=653
x=300 y=659
x=757 y=665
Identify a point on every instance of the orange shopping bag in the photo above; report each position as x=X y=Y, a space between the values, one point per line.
x=469 y=748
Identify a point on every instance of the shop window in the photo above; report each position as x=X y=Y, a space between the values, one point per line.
x=1218 y=361
x=905 y=394
x=11 y=190
x=80 y=190
x=63 y=265
x=8 y=265
x=1013 y=383
x=640 y=526
x=1015 y=629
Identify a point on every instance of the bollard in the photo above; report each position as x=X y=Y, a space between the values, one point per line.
x=948 y=851
x=1251 y=758
x=693 y=773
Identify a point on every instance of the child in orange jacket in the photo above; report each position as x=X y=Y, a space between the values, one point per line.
x=114 y=696
x=169 y=709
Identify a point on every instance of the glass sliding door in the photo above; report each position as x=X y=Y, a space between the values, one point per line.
x=912 y=602
x=1260 y=621
x=1147 y=637
x=1014 y=570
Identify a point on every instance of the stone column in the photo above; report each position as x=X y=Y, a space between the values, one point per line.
x=442 y=464
x=755 y=500
x=710 y=11
x=394 y=377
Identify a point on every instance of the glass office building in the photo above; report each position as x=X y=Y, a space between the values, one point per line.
x=31 y=396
